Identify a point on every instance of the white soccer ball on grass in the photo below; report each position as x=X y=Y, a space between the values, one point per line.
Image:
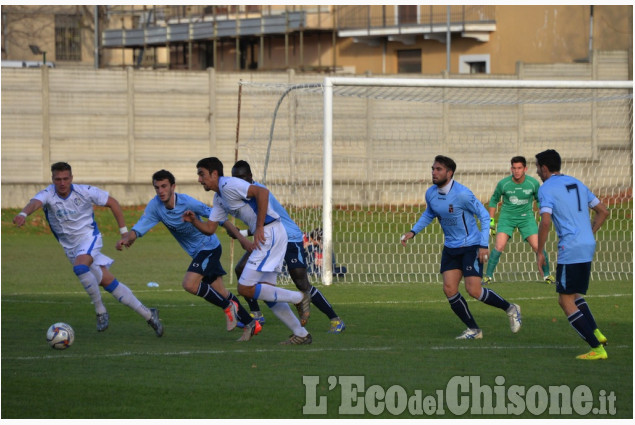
x=60 y=335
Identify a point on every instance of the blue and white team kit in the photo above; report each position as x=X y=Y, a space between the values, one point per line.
x=72 y=220
x=232 y=199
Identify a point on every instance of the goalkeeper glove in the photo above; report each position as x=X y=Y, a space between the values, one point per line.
x=492 y=226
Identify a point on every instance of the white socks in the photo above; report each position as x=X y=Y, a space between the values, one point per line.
x=274 y=294
x=124 y=295
x=286 y=316
x=91 y=286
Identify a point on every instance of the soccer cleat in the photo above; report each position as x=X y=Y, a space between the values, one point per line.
x=232 y=315
x=304 y=308
x=601 y=338
x=471 y=334
x=250 y=330
x=550 y=280
x=155 y=323
x=102 y=322
x=486 y=280
x=515 y=319
x=337 y=326
x=257 y=315
x=298 y=340
x=598 y=353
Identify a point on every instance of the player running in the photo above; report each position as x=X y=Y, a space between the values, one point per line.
x=69 y=211
x=204 y=276
x=566 y=201
x=250 y=204
x=465 y=248
x=295 y=257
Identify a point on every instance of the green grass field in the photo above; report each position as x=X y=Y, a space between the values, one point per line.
x=398 y=336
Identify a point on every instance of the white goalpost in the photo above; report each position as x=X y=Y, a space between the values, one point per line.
x=352 y=156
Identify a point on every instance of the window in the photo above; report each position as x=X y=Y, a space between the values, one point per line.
x=68 y=38
x=407 y=14
x=474 y=64
x=409 y=61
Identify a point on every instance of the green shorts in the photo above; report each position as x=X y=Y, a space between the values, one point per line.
x=525 y=224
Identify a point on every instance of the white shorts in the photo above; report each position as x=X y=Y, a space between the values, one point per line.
x=264 y=264
x=90 y=246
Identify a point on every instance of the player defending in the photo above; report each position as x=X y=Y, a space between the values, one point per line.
x=518 y=192
x=295 y=256
x=465 y=248
x=564 y=200
x=250 y=204
x=204 y=275
x=69 y=212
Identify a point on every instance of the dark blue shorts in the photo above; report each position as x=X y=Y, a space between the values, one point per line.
x=573 y=278
x=464 y=259
x=207 y=264
x=295 y=257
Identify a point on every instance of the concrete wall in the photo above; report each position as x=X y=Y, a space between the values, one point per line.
x=117 y=127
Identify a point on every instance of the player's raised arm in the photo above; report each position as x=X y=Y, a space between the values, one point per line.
x=29 y=209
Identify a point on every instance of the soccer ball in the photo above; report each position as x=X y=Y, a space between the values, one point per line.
x=60 y=336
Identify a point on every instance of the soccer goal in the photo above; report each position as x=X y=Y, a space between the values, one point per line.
x=352 y=157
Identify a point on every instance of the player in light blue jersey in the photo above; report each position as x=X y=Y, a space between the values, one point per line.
x=295 y=256
x=250 y=204
x=566 y=201
x=204 y=274
x=69 y=211
x=465 y=248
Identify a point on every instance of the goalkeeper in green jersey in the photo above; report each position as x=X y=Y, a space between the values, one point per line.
x=518 y=192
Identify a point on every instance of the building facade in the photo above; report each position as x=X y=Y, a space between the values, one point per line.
x=376 y=39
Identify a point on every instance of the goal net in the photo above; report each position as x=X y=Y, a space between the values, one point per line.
x=352 y=157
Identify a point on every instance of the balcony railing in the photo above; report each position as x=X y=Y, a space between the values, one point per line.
x=391 y=16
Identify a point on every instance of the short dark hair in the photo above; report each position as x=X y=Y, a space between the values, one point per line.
x=549 y=158
x=447 y=161
x=163 y=175
x=211 y=164
x=61 y=166
x=517 y=159
x=242 y=169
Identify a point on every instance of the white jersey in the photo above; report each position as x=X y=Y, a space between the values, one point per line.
x=232 y=199
x=72 y=219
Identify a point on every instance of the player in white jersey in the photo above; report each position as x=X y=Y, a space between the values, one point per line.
x=295 y=256
x=68 y=209
x=250 y=204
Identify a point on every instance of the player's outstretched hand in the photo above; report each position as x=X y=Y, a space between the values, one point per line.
x=189 y=216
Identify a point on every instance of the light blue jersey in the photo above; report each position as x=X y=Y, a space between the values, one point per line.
x=294 y=233
x=188 y=236
x=567 y=199
x=455 y=211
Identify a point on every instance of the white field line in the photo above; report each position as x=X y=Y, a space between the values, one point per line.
x=230 y=351
x=375 y=302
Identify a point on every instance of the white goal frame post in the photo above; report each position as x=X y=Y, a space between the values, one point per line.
x=382 y=135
